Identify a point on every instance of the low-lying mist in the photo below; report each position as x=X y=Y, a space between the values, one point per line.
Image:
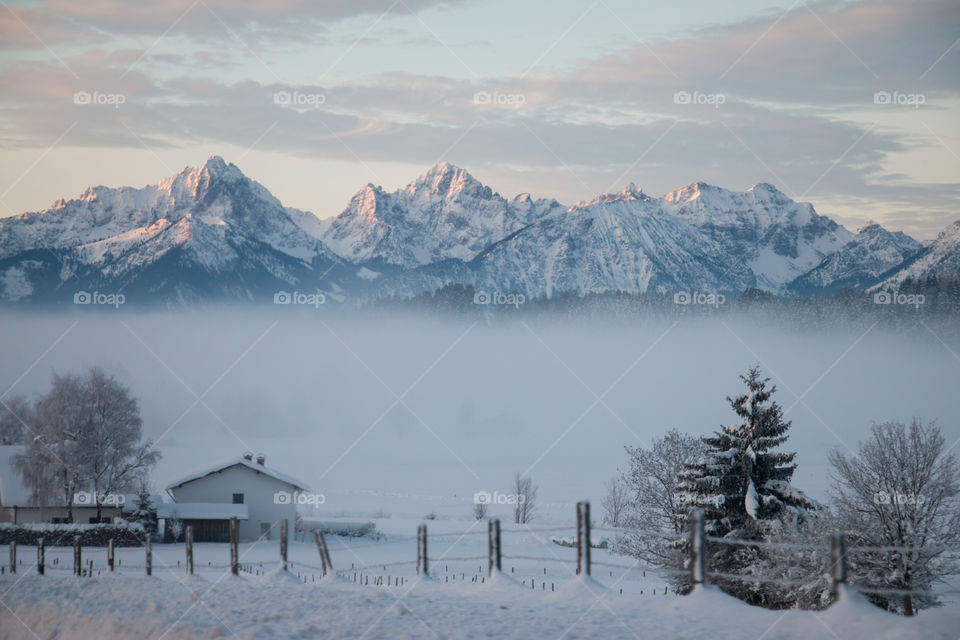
x=411 y=413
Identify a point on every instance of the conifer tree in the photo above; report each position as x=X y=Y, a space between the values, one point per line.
x=743 y=482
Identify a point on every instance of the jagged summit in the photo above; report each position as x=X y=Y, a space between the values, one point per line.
x=448 y=180
x=445 y=213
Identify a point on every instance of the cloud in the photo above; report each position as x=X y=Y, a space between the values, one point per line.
x=257 y=23
x=797 y=104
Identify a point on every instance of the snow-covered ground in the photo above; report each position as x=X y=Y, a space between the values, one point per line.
x=458 y=601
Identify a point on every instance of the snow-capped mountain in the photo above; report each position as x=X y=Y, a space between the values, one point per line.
x=208 y=231
x=859 y=263
x=942 y=256
x=697 y=238
x=777 y=238
x=445 y=213
x=616 y=242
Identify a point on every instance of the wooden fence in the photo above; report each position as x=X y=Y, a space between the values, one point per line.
x=698 y=572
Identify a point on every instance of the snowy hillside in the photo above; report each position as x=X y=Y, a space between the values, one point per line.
x=619 y=242
x=778 y=239
x=941 y=257
x=860 y=262
x=278 y=604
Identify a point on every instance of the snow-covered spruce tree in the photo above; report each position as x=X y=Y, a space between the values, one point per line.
x=146 y=511
x=742 y=485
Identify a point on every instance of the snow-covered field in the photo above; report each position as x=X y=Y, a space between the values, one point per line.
x=458 y=601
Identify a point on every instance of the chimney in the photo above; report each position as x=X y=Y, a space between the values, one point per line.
x=248 y=456
x=260 y=459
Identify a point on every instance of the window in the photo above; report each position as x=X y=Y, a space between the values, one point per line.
x=238 y=498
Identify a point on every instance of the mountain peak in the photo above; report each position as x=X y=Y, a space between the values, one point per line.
x=689 y=192
x=768 y=190
x=446 y=179
x=953 y=229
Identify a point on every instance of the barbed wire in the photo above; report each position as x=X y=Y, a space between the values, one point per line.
x=460 y=559
x=767 y=544
x=538 y=530
x=766 y=580
x=536 y=558
x=898 y=549
x=902 y=592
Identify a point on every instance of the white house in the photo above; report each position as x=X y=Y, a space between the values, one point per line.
x=257 y=495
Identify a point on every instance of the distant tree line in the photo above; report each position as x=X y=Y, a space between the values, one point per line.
x=940 y=300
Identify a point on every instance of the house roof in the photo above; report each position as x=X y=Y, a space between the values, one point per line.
x=230 y=462
x=12 y=491
x=202 y=510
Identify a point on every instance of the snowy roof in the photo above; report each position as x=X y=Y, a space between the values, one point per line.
x=12 y=491
x=202 y=510
x=230 y=462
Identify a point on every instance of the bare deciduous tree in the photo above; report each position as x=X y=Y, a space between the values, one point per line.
x=615 y=500
x=525 y=494
x=479 y=510
x=15 y=413
x=111 y=454
x=901 y=490
x=85 y=435
x=654 y=518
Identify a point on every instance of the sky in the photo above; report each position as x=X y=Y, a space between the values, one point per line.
x=849 y=105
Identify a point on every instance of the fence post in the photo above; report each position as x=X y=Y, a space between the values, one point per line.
x=234 y=557
x=697 y=538
x=13 y=557
x=322 y=550
x=493 y=530
x=149 y=547
x=189 y=540
x=41 y=555
x=110 y=554
x=422 y=568
x=283 y=542
x=77 y=567
x=838 y=564
x=583 y=538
